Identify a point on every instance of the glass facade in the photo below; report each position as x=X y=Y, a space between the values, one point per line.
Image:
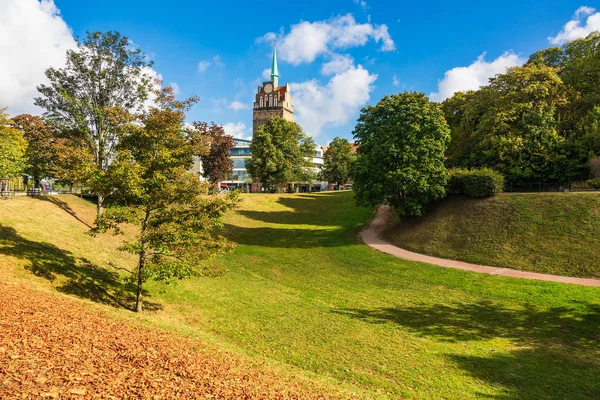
x=239 y=163
x=240 y=151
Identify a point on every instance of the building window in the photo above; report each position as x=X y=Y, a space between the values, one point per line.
x=261 y=101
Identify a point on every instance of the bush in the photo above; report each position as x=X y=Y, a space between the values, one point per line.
x=483 y=182
x=594 y=183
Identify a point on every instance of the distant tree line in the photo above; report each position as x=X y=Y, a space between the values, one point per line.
x=539 y=122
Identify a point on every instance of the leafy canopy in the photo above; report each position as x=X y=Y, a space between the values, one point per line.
x=105 y=71
x=40 y=139
x=401 y=145
x=13 y=148
x=338 y=161
x=152 y=187
x=281 y=154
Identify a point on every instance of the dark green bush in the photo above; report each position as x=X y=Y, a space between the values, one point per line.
x=594 y=183
x=482 y=182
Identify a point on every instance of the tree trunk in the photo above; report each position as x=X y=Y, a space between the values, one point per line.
x=140 y=281
x=99 y=206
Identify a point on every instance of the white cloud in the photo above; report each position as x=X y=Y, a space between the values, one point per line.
x=237 y=129
x=585 y=21
x=34 y=37
x=266 y=74
x=395 y=81
x=308 y=40
x=362 y=3
x=333 y=104
x=238 y=105
x=338 y=64
x=477 y=74
x=217 y=61
x=203 y=66
x=175 y=88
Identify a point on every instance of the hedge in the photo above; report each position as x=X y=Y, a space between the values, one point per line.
x=594 y=183
x=482 y=182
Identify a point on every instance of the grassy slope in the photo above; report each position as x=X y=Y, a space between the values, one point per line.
x=556 y=233
x=300 y=291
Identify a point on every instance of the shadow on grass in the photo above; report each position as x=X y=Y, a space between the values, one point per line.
x=75 y=275
x=63 y=205
x=558 y=348
x=288 y=238
x=313 y=209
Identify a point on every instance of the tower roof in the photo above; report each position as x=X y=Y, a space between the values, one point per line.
x=274 y=70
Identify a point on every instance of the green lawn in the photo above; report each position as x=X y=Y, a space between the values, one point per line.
x=555 y=233
x=300 y=291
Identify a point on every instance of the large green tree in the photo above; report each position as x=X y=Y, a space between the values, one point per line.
x=104 y=71
x=154 y=189
x=337 y=162
x=40 y=153
x=13 y=148
x=401 y=145
x=281 y=154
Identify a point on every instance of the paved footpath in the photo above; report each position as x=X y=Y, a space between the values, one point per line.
x=371 y=236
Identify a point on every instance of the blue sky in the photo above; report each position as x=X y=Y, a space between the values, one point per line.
x=377 y=48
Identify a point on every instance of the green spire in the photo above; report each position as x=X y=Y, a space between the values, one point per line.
x=274 y=71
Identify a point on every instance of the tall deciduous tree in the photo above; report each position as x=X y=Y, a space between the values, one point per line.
x=13 y=147
x=511 y=124
x=40 y=153
x=216 y=162
x=105 y=71
x=401 y=145
x=154 y=189
x=281 y=154
x=338 y=161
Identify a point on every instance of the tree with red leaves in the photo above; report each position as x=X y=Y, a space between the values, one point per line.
x=216 y=163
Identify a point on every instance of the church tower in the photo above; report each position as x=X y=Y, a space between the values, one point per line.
x=272 y=100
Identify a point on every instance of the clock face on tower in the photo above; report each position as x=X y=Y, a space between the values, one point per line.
x=268 y=88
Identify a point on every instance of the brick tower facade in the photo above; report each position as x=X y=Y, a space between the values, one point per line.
x=272 y=100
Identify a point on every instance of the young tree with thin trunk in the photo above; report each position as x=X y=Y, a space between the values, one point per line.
x=154 y=189
x=105 y=71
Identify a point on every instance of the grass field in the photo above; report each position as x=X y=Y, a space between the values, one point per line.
x=555 y=233
x=301 y=293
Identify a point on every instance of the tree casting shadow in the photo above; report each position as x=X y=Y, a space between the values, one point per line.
x=77 y=276
x=63 y=205
x=558 y=351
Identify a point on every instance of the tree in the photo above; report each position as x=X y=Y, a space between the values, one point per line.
x=154 y=189
x=104 y=71
x=281 y=154
x=40 y=139
x=401 y=144
x=511 y=125
x=216 y=162
x=13 y=148
x=338 y=160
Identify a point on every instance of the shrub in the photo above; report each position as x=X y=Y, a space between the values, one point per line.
x=594 y=183
x=483 y=182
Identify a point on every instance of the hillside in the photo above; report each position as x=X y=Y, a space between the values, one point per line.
x=555 y=233
x=300 y=300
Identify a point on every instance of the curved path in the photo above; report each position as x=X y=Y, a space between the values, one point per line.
x=371 y=236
